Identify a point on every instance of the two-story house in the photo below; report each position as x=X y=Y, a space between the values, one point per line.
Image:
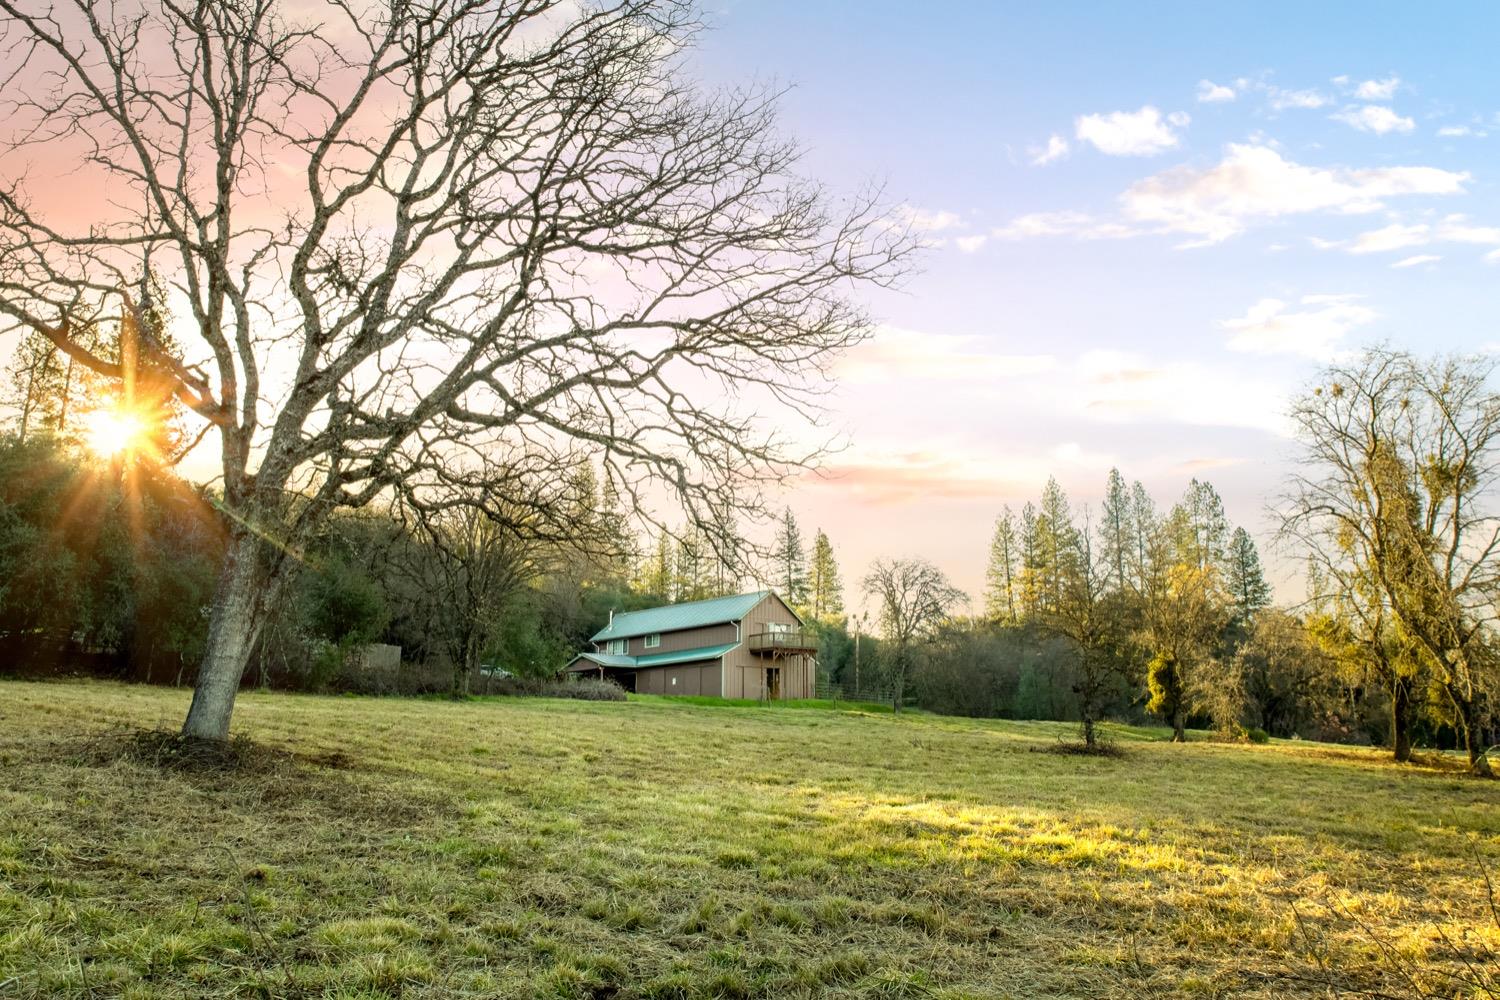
x=744 y=646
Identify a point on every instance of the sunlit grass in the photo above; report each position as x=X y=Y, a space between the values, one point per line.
x=665 y=849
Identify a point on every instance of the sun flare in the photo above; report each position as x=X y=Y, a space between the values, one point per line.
x=112 y=432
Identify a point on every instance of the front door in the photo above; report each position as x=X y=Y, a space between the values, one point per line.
x=773 y=683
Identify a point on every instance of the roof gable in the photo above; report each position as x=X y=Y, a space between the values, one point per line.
x=675 y=617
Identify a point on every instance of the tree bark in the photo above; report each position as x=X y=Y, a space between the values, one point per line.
x=1401 y=718
x=1472 y=724
x=1179 y=724
x=233 y=626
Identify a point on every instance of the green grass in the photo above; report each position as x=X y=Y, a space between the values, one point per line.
x=658 y=848
x=820 y=704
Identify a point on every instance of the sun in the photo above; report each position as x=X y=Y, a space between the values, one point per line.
x=111 y=432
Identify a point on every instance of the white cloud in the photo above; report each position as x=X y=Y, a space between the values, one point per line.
x=1493 y=257
x=1120 y=387
x=1281 y=100
x=927 y=220
x=1451 y=229
x=1459 y=132
x=1375 y=118
x=1056 y=148
x=1214 y=93
x=896 y=354
x=1131 y=133
x=1255 y=183
x=1392 y=237
x=971 y=244
x=1378 y=90
x=1077 y=224
x=1421 y=258
x=1271 y=327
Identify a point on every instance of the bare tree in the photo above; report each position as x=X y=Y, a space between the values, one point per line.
x=914 y=598
x=401 y=227
x=1400 y=475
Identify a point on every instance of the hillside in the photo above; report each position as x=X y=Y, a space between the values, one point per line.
x=376 y=848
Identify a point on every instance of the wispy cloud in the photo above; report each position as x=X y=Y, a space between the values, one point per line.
x=1254 y=183
x=896 y=354
x=971 y=244
x=1378 y=90
x=1398 y=236
x=1282 y=100
x=1421 y=258
x=1057 y=147
x=1271 y=326
x=1146 y=132
x=1214 y=93
x=1376 y=118
x=1080 y=225
x=1461 y=132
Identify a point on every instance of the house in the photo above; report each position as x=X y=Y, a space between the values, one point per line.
x=743 y=646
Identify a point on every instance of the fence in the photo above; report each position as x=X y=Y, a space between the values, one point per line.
x=868 y=691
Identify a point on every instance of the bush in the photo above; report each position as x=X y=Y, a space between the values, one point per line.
x=583 y=688
x=1256 y=735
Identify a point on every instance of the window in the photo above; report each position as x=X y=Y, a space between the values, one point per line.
x=615 y=646
x=653 y=640
x=778 y=628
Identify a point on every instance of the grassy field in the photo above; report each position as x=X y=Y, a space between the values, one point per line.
x=531 y=847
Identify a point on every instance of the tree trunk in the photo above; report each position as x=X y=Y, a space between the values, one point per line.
x=1472 y=726
x=1179 y=724
x=1401 y=718
x=232 y=629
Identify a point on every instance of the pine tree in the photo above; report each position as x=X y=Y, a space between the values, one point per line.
x=691 y=582
x=791 y=568
x=825 y=589
x=661 y=570
x=1057 y=535
x=1247 y=584
x=1000 y=576
x=1032 y=568
x=1143 y=526
x=1115 y=534
x=1209 y=528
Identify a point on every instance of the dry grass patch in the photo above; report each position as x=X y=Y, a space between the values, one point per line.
x=535 y=848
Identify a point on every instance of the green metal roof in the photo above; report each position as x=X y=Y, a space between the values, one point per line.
x=684 y=655
x=671 y=618
x=654 y=659
x=606 y=659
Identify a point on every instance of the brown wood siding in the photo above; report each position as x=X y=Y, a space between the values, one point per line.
x=745 y=672
x=688 y=638
x=700 y=678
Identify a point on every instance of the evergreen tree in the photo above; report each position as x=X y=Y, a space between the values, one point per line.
x=1208 y=527
x=791 y=568
x=1000 y=576
x=691 y=581
x=1115 y=532
x=1245 y=579
x=825 y=589
x=661 y=570
x=1031 y=562
x=1057 y=535
x=1142 y=525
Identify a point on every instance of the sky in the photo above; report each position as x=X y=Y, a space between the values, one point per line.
x=1147 y=227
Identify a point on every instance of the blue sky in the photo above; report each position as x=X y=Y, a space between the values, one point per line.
x=1149 y=224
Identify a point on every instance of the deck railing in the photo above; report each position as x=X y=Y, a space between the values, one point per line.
x=794 y=641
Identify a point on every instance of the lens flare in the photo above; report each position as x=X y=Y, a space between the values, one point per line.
x=113 y=432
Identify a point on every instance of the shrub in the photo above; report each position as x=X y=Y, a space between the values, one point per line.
x=582 y=688
x=1256 y=735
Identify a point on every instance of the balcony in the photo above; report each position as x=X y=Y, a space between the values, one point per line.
x=774 y=643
